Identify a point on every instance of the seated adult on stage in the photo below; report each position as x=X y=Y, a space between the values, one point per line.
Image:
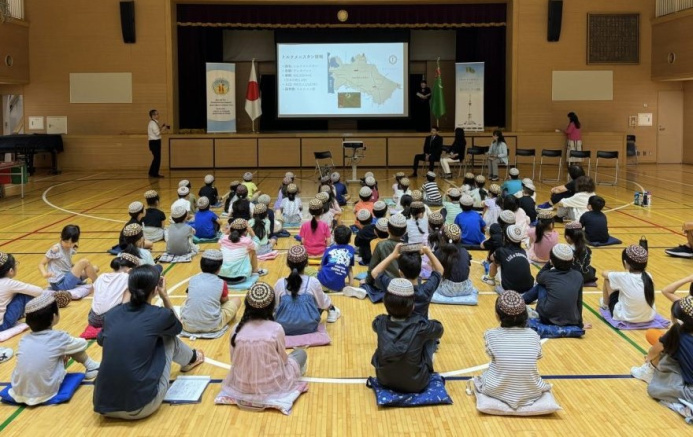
x=433 y=147
x=455 y=153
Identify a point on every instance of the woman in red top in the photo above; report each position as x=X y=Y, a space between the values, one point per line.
x=573 y=137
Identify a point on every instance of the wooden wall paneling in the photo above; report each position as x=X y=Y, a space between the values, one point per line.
x=15 y=43
x=235 y=152
x=89 y=152
x=192 y=153
x=401 y=150
x=672 y=35
x=311 y=145
x=688 y=122
x=376 y=152
x=279 y=152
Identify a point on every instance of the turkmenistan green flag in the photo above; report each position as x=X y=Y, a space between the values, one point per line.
x=437 y=99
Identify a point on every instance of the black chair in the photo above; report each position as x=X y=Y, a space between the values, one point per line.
x=473 y=152
x=525 y=153
x=631 y=149
x=576 y=156
x=606 y=155
x=551 y=153
x=323 y=163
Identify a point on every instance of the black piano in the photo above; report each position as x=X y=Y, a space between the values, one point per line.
x=26 y=146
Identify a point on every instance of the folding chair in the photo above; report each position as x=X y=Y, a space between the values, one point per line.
x=527 y=153
x=606 y=155
x=323 y=163
x=581 y=154
x=551 y=153
x=472 y=152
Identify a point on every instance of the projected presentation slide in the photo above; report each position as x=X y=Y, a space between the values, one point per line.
x=342 y=80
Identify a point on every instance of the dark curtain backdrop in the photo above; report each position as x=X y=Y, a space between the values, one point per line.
x=487 y=44
x=196 y=46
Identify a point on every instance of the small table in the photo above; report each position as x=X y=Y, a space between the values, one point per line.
x=357 y=152
x=21 y=173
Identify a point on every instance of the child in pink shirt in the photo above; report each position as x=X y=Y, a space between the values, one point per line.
x=315 y=234
x=542 y=238
x=262 y=372
x=240 y=252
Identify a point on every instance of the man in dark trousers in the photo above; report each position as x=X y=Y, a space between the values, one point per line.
x=433 y=147
x=423 y=107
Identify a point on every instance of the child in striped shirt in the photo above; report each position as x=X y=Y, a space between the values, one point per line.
x=431 y=193
x=512 y=375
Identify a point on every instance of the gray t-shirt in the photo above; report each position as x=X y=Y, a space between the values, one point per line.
x=201 y=311
x=179 y=239
x=60 y=262
x=40 y=369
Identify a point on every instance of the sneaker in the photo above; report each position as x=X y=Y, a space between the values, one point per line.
x=62 y=298
x=486 y=279
x=262 y=272
x=5 y=354
x=545 y=205
x=333 y=315
x=358 y=293
x=92 y=373
x=643 y=373
x=199 y=359
x=681 y=251
x=601 y=304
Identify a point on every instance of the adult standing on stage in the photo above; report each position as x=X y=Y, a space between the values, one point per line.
x=455 y=153
x=433 y=147
x=423 y=107
x=154 y=131
x=573 y=137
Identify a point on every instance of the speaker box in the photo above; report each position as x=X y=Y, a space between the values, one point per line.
x=127 y=21
x=555 y=19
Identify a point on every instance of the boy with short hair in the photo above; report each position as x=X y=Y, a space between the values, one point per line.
x=338 y=261
x=364 y=202
x=470 y=222
x=154 y=219
x=208 y=307
x=526 y=202
x=252 y=188
x=180 y=234
x=364 y=236
x=452 y=208
x=594 y=221
x=183 y=199
x=340 y=190
x=513 y=185
x=431 y=193
x=192 y=199
x=210 y=191
x=207 y=224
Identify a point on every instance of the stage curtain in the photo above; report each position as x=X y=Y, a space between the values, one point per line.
x=196 y=46
x=310 y=16
x=487 y=45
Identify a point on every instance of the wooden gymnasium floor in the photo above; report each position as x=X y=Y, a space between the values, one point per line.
x=590 y=375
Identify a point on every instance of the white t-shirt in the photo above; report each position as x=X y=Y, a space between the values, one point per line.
x=10 y=287
x=108 y=291
x=577 y=204
x=153 y=130
x=631 y=306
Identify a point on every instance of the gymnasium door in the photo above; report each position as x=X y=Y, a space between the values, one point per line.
x=670 y=127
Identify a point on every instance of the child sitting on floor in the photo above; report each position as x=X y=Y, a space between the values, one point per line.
x=431 y=193
x=558 y=291
x=207 y=223
x=209 y=190
x=328 y=214
x=542 y=237
x=315 y=234
x=512 y=185
x=14 y=295
x=408 y=260
x=526 y=203
x=183 y=196
x=478 y=193
x=136 y=212
x=436 y=222
x=208 y=307
x=512 y=261
x=402 y=189
x=364 y=236
x=575 y=237
x=180 y=234
x=253 y=192
x=490 y=205
x=364 y=202
x=452 y=207
x=291 y=207
x=231 y=197
x=521 y=219
x=111 y=289
x=154 y=219
x=379 y=210
x=57 y=266
x=261 y=226
x=574 y=206
x=417 y=222
x=470 y=222
x=668 y=367
x=594 y=221
x=134 y=244
x=192 y=199
x=42 y=354
x=456 y=263
x=275 y=225
x=496 y=232
x=629 y=296
x=240 y=252
x=338 y=261
x=468 y=183
x=260 y=365
x=512 y=375
x=242 y=207
x=300 y=298
x=398 y=177
x=340 y=190
x=403 y=358
x=371 y=183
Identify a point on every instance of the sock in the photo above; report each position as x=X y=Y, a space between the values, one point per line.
x=90 y=364
x=194 y=357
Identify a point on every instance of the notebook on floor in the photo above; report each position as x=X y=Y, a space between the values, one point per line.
x=187 y=389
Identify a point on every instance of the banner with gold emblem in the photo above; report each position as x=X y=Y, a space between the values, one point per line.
x=221 y=97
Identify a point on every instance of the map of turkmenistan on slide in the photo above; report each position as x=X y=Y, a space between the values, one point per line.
x=364 y=77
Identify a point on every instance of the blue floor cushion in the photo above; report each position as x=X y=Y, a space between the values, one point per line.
x=435 y=394
x=553 y=331
x=469 y=299
x=245 y=285
x=65 y=393
x=611 y=241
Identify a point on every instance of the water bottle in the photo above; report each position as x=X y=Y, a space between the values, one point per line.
x=645 y=199
x=636 y=198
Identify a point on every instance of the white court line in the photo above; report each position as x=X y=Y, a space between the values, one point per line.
x=45 y=199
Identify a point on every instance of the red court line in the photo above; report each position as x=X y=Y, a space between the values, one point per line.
x=652 y=223
x=69 y=217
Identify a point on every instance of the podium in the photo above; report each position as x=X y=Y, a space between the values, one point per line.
x=354 y=152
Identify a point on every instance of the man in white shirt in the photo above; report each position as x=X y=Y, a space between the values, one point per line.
x=154 y=131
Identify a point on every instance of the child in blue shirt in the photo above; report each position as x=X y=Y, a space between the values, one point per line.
x=338 y=261
x=207 y=223
x=471 y=223
x=340 y=190
x=513 y=185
